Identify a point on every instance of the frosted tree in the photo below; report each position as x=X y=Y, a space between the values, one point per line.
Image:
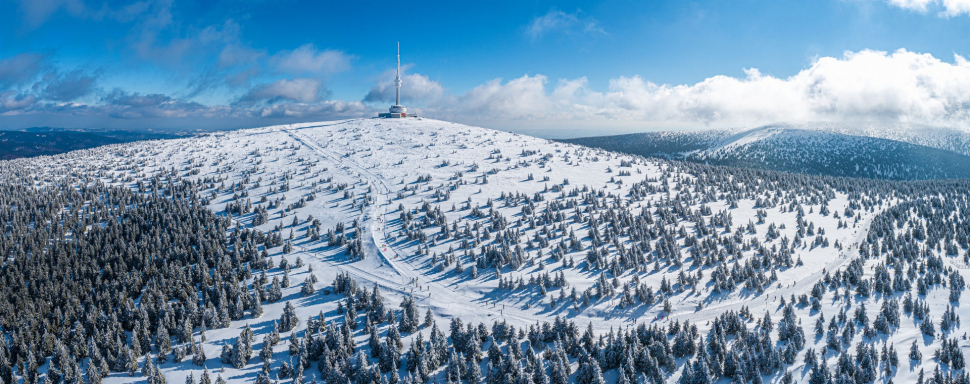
x=198 y=358
x=163 y=343
x=288 y=320
x=257 y=308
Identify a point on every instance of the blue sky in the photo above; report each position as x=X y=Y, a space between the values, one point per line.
x=526 y=65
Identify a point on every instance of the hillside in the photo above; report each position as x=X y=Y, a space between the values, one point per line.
x=949 y=139
x=416 y=250
x=816 y=150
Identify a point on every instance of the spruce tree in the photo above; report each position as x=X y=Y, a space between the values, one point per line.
x=199 y=357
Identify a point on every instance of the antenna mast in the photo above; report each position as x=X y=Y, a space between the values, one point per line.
x=397 y=81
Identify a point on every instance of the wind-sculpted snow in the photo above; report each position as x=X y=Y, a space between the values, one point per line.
x=348 y=244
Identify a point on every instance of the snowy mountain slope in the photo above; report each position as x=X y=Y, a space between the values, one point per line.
x=481 y=225
x=819 y=150
x=667 y=144
x=949 y=139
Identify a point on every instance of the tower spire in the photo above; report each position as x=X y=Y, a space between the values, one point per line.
x=397 y=110
x=397 y=81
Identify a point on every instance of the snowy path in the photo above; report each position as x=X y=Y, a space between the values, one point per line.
x=403 y=278
x=443 y=296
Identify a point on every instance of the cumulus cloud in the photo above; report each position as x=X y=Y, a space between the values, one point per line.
x=523 y=97
x=901 y=86
x=329 y=109
x=308 y=60
x=414 y=87
x=948 y=8
x=301 y=90
x=20 y=69
x=556 y=21
x=865 y=86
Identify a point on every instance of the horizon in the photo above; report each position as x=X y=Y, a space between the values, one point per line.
x=544 y=68
x=186 y=183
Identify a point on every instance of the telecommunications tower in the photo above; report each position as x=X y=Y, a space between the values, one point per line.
x=397 y=110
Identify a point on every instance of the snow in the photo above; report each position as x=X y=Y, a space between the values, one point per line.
x=385 y=156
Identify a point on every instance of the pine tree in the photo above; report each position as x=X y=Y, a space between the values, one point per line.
x=263 y=378
x=914 y=353
x=288 y=320
x=204 y=379
x=163 y=343
x=148 y=367
x=199 y=357
x=589 y=372
x=473 y=373
x=257 y=310
x=266 y=354
x=132 y=362
x=226 y=355
x=307 y=288
x=298 y=370
x=428 y=319
x=239 y=356
x=294 y=347
x=94 y=377
x=819 y=374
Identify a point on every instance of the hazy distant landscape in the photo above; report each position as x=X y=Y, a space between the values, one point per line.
x=915 y=153
x=51 y=141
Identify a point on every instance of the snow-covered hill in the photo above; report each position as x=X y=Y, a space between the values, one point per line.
x=819 y=149
x=486 y=226
x=950 y=139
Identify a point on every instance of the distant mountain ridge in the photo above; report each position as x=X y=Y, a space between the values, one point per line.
x=45 y=141
x=904 y=153
x=950 y=139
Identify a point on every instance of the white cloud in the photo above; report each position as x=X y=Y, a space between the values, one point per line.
x=956 y=7
x=328 y=109
x=876 y=86
x=523 y=97
x=235 y=54
x=915 y=5
x=863 y=87
x=414 y=88
x=36 y=12
x=12 y=101
x=308 y=60
x=153 y=43
x=301 y=90
x=562 y=22
x=20 y=69
x=948 y=8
